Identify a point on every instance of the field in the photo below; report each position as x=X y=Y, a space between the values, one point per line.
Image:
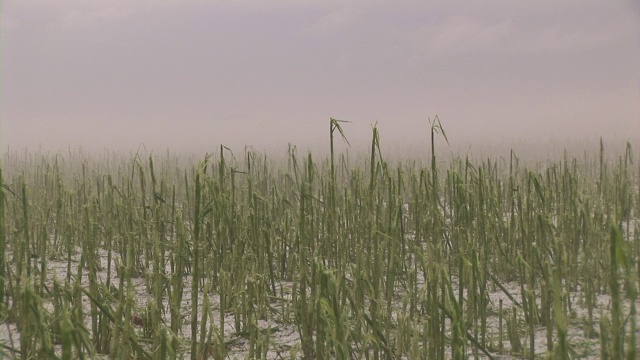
x=237 y=255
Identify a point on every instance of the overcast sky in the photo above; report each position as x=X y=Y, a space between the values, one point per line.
x=194 y=74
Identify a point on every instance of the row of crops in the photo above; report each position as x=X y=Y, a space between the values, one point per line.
x=239 y=255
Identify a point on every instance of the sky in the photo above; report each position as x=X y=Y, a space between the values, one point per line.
x=191 y=75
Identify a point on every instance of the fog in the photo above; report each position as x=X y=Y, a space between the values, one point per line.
x=192 y=75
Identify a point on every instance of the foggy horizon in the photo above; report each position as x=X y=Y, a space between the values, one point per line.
x=190 y=76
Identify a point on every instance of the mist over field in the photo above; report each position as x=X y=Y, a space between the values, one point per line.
x=212 y=179
x=189 y=76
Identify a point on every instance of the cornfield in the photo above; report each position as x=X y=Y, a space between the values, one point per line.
x=244 y=256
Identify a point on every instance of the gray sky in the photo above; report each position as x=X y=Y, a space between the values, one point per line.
x=194 y=74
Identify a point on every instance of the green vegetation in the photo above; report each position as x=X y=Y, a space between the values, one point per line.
x=162 y=257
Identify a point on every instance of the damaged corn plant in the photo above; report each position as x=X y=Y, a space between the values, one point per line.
x=241 y=255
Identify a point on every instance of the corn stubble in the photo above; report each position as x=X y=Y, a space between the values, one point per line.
x=167 y=257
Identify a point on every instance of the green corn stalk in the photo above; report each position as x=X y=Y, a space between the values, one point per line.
x=196 y=271
x=3 y=244
x=617 y=260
